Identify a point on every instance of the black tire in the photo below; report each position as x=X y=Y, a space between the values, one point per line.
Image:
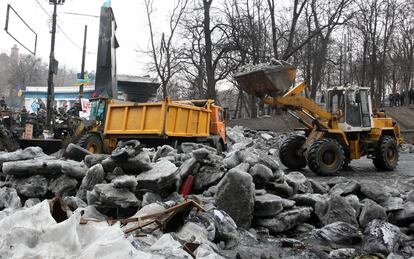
x=326 y=157
x=386 y=154
x=76 y=152
x=92 y=143
x=288 y=152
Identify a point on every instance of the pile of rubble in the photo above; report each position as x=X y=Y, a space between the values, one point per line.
x=194 y=202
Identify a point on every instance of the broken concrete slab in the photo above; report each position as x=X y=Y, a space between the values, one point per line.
x=309 y=199
x=95 y=175
x=32 y=187
x=403 y=217
x=132 y=165
x=342 y=253
x=245 y=167
x=33 y=167
x=345 y=188
x=114 y=174
x=319 y=187
x=31 y=202
x=286 y=203
x=74 y=169
x=189 y=147
x=248 y=156
x=382 y=237
x=354 y=201
x=20 y=155
x=187 y=168
x=9 y=198
x=270 y=162
x=111 y=196
x=207 y=176
x=370 y=211
x=393 y=204
x=374 y=191
x=267 y=205
x=336 y=208
x=298 y=182
x=261 y=175
x=163 y=174
x=201 y=153
x=237 y=186
x=126 y=181
x=280 y=189
x=163 y=151
x=91 y=160
x=74 y=202
x=232 y=159
x=149 y=198
x=63 y=186
x=285 y=220
x=338 y=232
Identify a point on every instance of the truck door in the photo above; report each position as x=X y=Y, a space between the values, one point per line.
x=218 y=126
x=365 y=108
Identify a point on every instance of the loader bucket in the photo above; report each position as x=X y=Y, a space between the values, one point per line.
x=270 y=80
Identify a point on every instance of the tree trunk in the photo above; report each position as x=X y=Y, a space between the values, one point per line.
x=211 y=83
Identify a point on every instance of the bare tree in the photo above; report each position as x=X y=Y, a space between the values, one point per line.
x=166 y=59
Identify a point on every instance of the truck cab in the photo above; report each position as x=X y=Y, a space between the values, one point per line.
x=218 y=125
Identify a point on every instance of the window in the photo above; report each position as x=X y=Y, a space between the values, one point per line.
x=366 y=115
x=221 y=115
x=353 y=109
x=336 y=102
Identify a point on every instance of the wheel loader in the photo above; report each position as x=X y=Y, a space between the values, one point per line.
x=345 y=129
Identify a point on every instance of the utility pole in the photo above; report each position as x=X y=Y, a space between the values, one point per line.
x=53 y=65
x=83 y=63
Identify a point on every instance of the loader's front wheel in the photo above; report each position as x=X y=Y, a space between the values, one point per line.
x=289 y=152
x=386 y=154
x=92 y=143
x=326 y=156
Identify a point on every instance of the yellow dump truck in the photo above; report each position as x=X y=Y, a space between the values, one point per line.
x=155 y=123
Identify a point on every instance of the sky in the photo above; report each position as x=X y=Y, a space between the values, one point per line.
x=132 y=32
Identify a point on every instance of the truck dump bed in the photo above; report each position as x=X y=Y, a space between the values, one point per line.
x=266 y=79
x=159 y=119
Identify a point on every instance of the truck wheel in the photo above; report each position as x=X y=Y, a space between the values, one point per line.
x=92 y=143
x=288 y=152
x=326 y=156
x=386 y=154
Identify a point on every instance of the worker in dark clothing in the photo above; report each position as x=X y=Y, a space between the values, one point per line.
x=3 y=105
x=402 y=97
x=23 y=117
x=411 y=95
x=75 y=109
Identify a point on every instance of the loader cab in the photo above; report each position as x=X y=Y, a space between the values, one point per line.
x=98 y=109
x=353 y=107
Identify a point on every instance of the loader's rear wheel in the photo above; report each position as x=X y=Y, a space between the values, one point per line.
x=326 y=156
x=386 y=154
x=92 y=143
x=289 y=152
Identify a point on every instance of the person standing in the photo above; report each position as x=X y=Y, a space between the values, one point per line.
x=402 y=97
x=411 y=95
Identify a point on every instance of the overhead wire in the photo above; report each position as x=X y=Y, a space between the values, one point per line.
x=61 y=30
